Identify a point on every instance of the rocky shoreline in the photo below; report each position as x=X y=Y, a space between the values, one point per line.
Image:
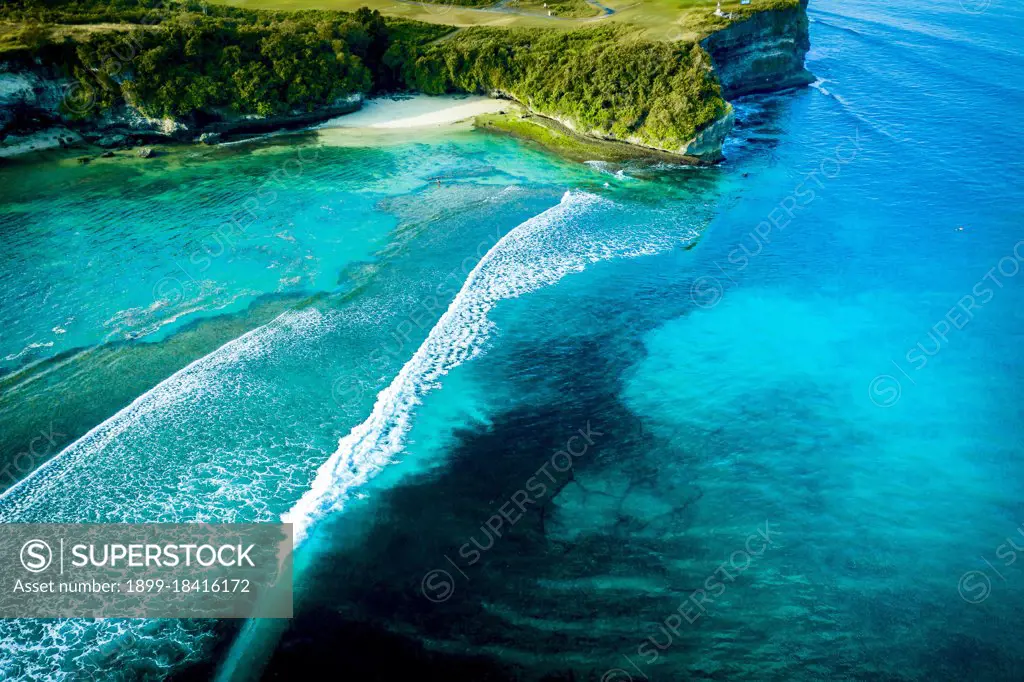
x=35 y=115
x=761 y=53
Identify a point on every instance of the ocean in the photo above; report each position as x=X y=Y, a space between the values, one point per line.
x=542 y=420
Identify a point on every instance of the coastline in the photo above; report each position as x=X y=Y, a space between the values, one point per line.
x=403 y=112
x=377 y=117
x=561 y=140
x=653 y=95
x=542 y=420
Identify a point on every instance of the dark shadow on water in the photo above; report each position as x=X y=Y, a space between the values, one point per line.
x=375 y=601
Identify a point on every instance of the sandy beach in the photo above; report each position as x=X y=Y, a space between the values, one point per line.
x=418 y=111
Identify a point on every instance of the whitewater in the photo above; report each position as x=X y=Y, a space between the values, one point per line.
x=538 y=252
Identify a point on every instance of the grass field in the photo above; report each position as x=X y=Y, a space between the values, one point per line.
x=574 y=9
x=654 y=19
x=13 y=35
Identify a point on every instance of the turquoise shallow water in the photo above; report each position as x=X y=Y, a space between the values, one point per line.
x=796 y=372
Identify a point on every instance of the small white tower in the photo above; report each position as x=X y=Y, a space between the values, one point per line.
x=718 y=9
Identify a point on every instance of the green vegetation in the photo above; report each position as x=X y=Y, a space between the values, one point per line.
x=556 y=138
x=462 y=3
x=653 y=93
x=93 y=12
x=668 y=20
x=558 y=8
x=16 y=38
x=183 y=58
x=260 y=63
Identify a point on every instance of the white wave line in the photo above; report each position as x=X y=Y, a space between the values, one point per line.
x=112 y=427
x=371 y=445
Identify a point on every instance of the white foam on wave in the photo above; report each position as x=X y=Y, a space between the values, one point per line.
x=76 y=649
x=538 y=252
x=187 y=384
x=609 y=169
x=28 y=349
x=851 y=109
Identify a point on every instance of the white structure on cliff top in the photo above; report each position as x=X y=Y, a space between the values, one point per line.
x=727 y=15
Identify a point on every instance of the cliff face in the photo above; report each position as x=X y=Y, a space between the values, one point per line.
x=36 y=112
x=707 y=144
x=28 y=96
x=37 y=105
x=764 y=53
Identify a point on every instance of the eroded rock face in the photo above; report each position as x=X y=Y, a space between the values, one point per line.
x=764 y=53
x=27 y=97
x=54 y=137
x=707 y=145
x=16 y=92
x=126 y=120
x=38 y=105
x=36 y=99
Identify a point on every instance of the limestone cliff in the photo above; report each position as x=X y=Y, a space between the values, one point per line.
x=38 y=105
x=763 y=53
x=26 y=95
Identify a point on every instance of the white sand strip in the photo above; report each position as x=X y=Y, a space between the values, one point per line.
x=418 y=111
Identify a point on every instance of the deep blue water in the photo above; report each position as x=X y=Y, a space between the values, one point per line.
x=794 y=375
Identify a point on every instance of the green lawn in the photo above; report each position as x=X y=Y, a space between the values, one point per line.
x=654 y=19
x=17 y=36
x=576 y=9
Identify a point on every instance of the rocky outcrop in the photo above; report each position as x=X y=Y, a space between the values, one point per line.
x=53 y=137
x=37 y=112
x=763 y=53
x=130 y=123
x=30 y=99
x=760 y=53
x=707 y=144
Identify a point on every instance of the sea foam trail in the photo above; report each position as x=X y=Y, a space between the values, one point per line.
x=536 y=253
x=561 y=240
x=76 y=649
x=542 y=250
x=30 y=500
